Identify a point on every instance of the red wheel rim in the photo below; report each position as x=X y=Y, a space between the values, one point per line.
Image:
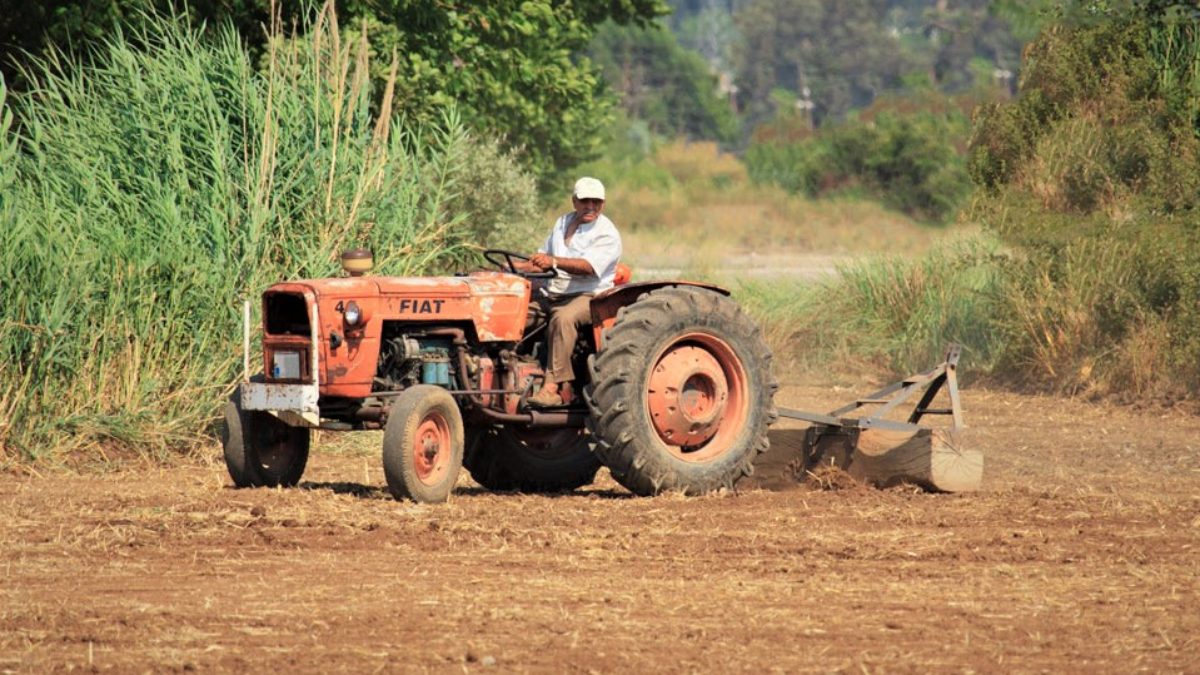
x=432 y=449
x=696 y=397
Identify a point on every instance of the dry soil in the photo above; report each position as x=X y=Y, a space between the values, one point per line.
x=1082 y=552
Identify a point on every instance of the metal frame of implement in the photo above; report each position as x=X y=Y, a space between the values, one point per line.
x=887 y=452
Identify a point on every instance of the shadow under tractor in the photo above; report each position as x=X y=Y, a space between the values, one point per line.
x=673 y=389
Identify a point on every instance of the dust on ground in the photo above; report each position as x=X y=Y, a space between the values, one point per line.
x=1081 y=553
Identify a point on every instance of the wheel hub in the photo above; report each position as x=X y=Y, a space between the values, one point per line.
x=431 y=452
x=687 y=396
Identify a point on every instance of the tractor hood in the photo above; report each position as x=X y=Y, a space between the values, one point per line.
x=494 y=304
x=476 y=284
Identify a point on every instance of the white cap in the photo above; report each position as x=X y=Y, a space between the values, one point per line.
x=589 y=188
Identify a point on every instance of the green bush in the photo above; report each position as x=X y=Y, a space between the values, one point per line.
x=497 y=200
x=907 y=158
x=148 y=194
x=1092 y=175
x=659 y=82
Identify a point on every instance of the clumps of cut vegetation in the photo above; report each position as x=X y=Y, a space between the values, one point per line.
x=830 y=478
x=144 y=195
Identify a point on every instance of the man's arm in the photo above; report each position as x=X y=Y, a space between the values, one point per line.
x=577 y=266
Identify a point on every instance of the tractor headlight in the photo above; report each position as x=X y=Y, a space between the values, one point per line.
x=352 y=313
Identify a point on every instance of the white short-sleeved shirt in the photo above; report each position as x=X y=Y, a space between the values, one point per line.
x=597 y=242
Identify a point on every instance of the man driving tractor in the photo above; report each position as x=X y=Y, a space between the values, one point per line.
x=583 y=250
x=676 y=394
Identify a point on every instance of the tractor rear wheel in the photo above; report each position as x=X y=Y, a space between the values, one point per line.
x=423 y=444
x=681 y=393
x=530 y=460
x=260 y=449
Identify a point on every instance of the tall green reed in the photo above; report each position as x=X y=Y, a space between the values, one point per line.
x=1174 y=44
x=143 y=196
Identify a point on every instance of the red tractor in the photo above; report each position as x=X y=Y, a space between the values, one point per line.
x=673 y=387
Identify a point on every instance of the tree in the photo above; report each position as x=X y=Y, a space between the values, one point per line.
x=837 y=55
x=511 y=66
x=656 y=80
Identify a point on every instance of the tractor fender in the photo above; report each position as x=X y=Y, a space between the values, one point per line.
x=606 y=305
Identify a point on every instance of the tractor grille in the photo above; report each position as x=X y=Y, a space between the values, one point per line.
x=285 y=314
x=287 y=339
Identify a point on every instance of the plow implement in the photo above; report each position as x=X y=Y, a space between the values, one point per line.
x=882 y=439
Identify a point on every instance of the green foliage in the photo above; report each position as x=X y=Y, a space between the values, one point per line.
x=672 y=90
x=497 y=200
x=1092 y=173
x=1090 y=178
x=1174 y=45
x=904 y=152
x=627 y=162
x=1026 y=18
x=509 y=66
x=36 y=27
x=838 y=51
x=149 y=193
x=706 y=28
x=845 y=54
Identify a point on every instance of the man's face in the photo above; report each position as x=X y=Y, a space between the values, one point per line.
x=587 y=210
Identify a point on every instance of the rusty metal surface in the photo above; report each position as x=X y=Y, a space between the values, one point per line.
x=494 y=303
x=894 y=395
x=885 y=452
x=295 y=404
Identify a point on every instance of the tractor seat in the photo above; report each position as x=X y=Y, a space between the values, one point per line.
x=623 y=274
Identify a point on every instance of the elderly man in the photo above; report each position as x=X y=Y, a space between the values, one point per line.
x=583 y=250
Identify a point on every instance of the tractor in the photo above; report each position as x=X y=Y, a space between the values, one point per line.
x=673 y=387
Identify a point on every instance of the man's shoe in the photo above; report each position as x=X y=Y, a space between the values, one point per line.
x=544 y=399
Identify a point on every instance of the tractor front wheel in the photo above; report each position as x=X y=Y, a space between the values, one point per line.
x=260 y=449
x=681 y=393
x=423 y=444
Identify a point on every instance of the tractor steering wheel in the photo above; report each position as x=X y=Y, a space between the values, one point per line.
x=493 y=255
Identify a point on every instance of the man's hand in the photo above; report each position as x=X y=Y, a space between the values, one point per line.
x=542 y=262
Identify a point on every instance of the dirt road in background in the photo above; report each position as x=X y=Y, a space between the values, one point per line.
x=757 y=267
x=1082 y=553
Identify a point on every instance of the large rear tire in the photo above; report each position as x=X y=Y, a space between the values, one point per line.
x=261 y=450
x=681 y=393
x=423 y=444
x=530 y=460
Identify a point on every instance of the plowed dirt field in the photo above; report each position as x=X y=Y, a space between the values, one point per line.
x=1082 y=553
